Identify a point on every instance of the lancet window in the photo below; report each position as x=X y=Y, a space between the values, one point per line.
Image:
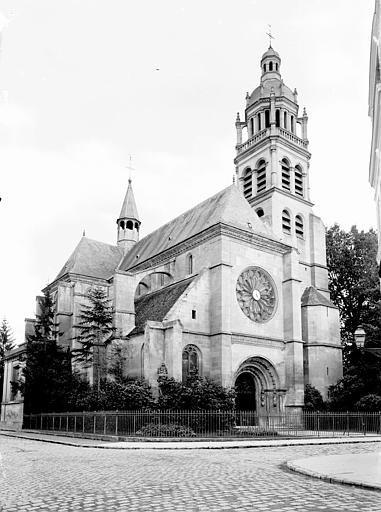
x=299 y=226
x=298 y=181
x=285 y=174
x=261 y=176
x=191 y=362
x=286 y=222
x=247 y=184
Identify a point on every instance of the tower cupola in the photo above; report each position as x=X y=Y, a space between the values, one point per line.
x=128 y=221
x=270 y=65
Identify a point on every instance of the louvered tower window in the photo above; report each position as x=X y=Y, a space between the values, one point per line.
x=299 y=227
x=286 y=222
x=298 y=181
x=261 y=176
x=247 y=184
x=285 y=174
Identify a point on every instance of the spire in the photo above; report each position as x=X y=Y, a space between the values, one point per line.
x=129 y=210
x=128 y=221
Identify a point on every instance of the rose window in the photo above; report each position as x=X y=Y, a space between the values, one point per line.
x=256 y=294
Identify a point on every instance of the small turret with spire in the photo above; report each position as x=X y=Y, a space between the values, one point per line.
x=128 y=221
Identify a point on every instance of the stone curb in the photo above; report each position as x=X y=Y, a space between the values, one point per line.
x=196 y=445
x=293 y=466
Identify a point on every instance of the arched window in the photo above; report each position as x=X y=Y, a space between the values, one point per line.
x=137 y=226
x=285 y=120
x=260 y=212
x=247 y=184
x=261 y=176
x=122 y=224
x=299 y=227
x=130 y=224
x=285 y=174
x=191 y=362
x=271 y=66
x=252 y=125
x=292 y=124
x=267 y=118
x=190 y=264
x=142 y=362
x=259 y=122
x=286 y=222
x=276 y=66
x=264 y=67
x=298 y=181
x=277 y=118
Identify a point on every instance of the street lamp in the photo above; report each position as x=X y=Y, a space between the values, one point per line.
x=360 y=337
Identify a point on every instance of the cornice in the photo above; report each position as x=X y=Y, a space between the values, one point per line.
x=262 y=195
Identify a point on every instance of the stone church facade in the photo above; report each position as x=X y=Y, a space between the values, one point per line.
x=235 y=289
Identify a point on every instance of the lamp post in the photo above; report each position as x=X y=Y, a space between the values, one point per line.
x=360 y=337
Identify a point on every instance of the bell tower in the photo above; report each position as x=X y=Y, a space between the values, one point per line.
x=272 y=164
x=128 y=221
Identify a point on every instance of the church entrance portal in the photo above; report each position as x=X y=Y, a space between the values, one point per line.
x=245 y=389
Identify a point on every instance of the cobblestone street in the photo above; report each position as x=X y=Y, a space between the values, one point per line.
x=42 y=476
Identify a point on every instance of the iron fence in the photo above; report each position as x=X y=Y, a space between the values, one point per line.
x=206 y=424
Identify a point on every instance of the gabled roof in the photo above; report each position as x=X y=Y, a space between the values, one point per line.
x=154 y=306
x=227 y=207
x=93 y=259
x=312 y=297
x=129 y=210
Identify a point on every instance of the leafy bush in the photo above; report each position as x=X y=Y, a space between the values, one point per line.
x=197 y=393
x=165 y=430
x=369 y=403
x=112 y=395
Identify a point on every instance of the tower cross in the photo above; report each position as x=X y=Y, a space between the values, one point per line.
x=270 y=35
x=130 y=168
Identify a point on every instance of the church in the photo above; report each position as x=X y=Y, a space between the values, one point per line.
x=235 y=289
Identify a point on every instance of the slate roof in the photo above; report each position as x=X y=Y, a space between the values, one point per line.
x=129 y=210
x=227 y=207
x=312 y=297
x=92 y=258
x=155 y=306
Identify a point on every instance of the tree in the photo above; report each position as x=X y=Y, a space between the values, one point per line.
x=47 y=370
x=313 y=401
x=353 y=281
x=96 y=331
x=7 y=342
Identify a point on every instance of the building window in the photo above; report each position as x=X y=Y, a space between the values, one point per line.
x=252 y=126
x=191 y=362
x=292 y=124
x=260 y=212
x=190 y=264
x=267 y=118
x=285 y=120
x=247 y=184
x=286 y=222
x=298 y=181
x=259 y=122
x=277 y=118
x=276 y=66
x=261 y=176
x=264 y=67
x=299 y=228
x=193 y=314
x=285 y=174
x=271 y=66
x=130 y=224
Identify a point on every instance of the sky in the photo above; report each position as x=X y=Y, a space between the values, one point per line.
x=86 y=83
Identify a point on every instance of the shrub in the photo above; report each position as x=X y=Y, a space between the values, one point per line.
x=165 y=430
x=369 y=403
x=197 y=393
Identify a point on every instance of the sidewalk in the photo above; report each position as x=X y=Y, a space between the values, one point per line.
x=185 y=445
x=363 y=470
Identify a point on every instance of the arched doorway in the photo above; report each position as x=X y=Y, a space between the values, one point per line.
x=245 y=389
x=257 y=387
